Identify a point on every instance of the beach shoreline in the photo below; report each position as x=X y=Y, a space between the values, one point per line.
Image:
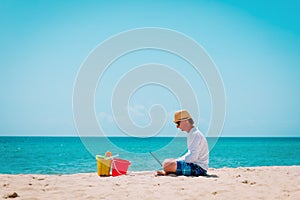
x=271 y=182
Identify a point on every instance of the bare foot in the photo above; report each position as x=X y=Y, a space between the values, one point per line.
x=160 y=173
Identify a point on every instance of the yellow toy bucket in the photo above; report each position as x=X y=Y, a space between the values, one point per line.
x=103 y=166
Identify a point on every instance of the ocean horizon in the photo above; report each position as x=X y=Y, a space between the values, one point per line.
x=71 y=154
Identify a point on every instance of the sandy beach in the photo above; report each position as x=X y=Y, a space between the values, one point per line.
x=226 y=183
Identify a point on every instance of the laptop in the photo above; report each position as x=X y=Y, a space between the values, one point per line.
x=155 y=158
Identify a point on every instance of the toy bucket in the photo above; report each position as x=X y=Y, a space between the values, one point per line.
x=119 y=166
x=103 y=166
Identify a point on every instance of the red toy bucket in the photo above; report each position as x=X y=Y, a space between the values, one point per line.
x=119 y=166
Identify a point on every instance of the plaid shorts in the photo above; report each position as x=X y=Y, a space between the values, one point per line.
x=189 y=169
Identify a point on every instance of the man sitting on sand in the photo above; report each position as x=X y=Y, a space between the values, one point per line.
x=195 y=161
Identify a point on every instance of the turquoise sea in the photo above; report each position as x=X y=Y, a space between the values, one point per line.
x=68 y=155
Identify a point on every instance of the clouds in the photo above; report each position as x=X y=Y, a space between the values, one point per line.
x=105 y=117
x=144 y=122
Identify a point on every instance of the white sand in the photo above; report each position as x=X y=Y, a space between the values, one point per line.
x=238 y=183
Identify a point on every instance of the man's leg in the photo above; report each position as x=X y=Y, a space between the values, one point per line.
x=189 y=169
x=169 y=166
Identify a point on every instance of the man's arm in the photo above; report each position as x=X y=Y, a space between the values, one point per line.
x=192 y=154
x=182 y=158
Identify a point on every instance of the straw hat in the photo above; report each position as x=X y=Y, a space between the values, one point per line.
x=181 y=115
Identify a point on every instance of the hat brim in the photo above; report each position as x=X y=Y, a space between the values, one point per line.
x=182 y=119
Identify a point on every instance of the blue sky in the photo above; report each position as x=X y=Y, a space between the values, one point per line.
x=254 y=44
